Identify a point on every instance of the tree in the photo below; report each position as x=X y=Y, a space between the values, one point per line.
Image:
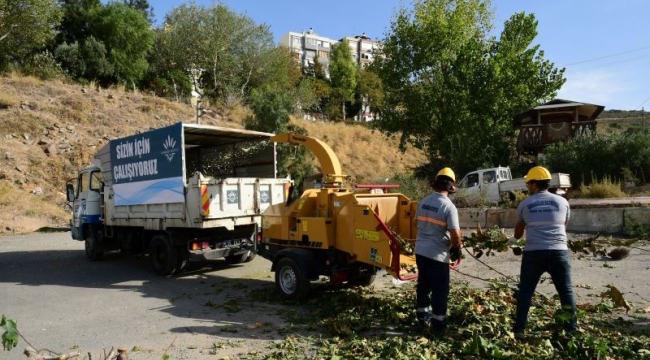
x=230 y=49
x=452 y=90
x=78 y=16
x=343 y=73
x=85 y=61
x=26 y=27
x=143 y=7
x=271 y=108
x=128 y=38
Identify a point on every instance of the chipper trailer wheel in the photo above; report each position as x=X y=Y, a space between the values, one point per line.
x=290 y=280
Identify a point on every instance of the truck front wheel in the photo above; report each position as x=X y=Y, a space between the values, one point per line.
x=290 y=280
x=163 y=257
x=93 y=245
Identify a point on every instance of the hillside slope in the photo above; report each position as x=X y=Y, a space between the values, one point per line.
x=51 y=129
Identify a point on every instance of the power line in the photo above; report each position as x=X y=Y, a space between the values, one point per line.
x=608 y=56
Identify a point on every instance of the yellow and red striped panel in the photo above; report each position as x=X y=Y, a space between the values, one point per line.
x=205 y=200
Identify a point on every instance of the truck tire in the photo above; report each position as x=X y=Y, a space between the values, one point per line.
x=250 y=257
x=93 y=245
x=183 y=260
x=236 y=259
x=290 y=280
x=242 y=258
x=163 y=257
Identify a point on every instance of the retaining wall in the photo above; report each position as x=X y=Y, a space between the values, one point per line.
x=604 y=220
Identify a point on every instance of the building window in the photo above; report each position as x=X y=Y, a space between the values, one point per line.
x=323 y=54
x=310 y=41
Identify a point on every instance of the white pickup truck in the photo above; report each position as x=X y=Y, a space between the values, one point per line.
x=495 y=185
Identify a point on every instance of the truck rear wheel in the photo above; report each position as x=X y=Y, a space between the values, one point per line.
x=183 y=260
x=290 y=280
x=163 y=257
x=242 y=258
x=93 y=245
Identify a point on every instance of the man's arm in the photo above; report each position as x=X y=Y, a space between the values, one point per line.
x=519 y=229
x=456 y=239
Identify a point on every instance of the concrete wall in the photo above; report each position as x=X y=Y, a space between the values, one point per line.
x=604 y=220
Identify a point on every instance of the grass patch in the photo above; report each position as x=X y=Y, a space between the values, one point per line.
x=7 y=101
x=605 y=188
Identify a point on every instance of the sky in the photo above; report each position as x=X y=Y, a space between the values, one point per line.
x=604 y=45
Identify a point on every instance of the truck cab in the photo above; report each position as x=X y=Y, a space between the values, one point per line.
x=484 y=183
x=87 y=200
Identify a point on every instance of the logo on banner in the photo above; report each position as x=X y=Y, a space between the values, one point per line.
x=169 y=146
x=232 y=196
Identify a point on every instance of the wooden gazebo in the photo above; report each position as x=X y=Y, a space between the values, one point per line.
x=557 y=120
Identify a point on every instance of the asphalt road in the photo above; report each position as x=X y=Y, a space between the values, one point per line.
x=64 y=302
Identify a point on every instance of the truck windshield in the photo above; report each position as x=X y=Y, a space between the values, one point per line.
x=96 y=180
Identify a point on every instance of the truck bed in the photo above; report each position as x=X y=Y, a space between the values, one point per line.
x=558 y=181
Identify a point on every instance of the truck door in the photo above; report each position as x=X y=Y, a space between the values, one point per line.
x=490 y=185
x=469 y=186
x=87 y=207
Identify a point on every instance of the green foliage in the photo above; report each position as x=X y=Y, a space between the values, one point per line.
x=78 y=16
x=451 y=89
x=26 y=26
x=362 y=323
x=232 y=53
x=624 y=156
x=42 y=65
x=412 y=187
x=605 y=188
x=86 y=61
x=10 y=334
x=343 y=74
x=271 y=109
x=128 y=38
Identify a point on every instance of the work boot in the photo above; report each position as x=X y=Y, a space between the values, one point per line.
x=424 y=320
x=438 y=327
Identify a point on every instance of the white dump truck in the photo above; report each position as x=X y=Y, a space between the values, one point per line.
x=180 y=193
x=495 y=185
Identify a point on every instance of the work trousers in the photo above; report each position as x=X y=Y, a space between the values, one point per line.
x=433 y=288
x=533 y=265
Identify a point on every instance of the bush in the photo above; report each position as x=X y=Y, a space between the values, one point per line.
x=411 y=186
x=43 y=66
x=617 y=156
x=604 y=188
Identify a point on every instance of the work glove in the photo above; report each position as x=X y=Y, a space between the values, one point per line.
x=454 y=254
x=513 y=241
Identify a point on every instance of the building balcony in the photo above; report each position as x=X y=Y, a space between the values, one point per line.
x=534 y=138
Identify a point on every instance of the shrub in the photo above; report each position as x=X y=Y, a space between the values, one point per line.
x=604 y=188
x=412 y=187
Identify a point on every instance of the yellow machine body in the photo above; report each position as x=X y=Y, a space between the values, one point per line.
x=364 y=226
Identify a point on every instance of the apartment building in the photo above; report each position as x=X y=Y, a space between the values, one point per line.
x=308 y=45
x=363 y=48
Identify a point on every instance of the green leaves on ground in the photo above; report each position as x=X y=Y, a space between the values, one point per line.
x=10 y=334
x=368 y=323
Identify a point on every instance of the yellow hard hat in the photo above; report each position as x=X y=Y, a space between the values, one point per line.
x=448 y=172
x=538 y=173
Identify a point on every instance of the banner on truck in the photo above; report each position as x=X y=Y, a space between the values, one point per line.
x=148 y=167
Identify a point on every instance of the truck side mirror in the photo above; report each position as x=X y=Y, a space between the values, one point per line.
x=69 y=189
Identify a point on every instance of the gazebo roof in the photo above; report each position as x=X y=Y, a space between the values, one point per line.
x=558 y=109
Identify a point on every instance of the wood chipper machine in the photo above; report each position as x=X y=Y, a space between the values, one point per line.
x=335 y=235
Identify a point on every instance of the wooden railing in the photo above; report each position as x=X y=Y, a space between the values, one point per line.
x=533 y=138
